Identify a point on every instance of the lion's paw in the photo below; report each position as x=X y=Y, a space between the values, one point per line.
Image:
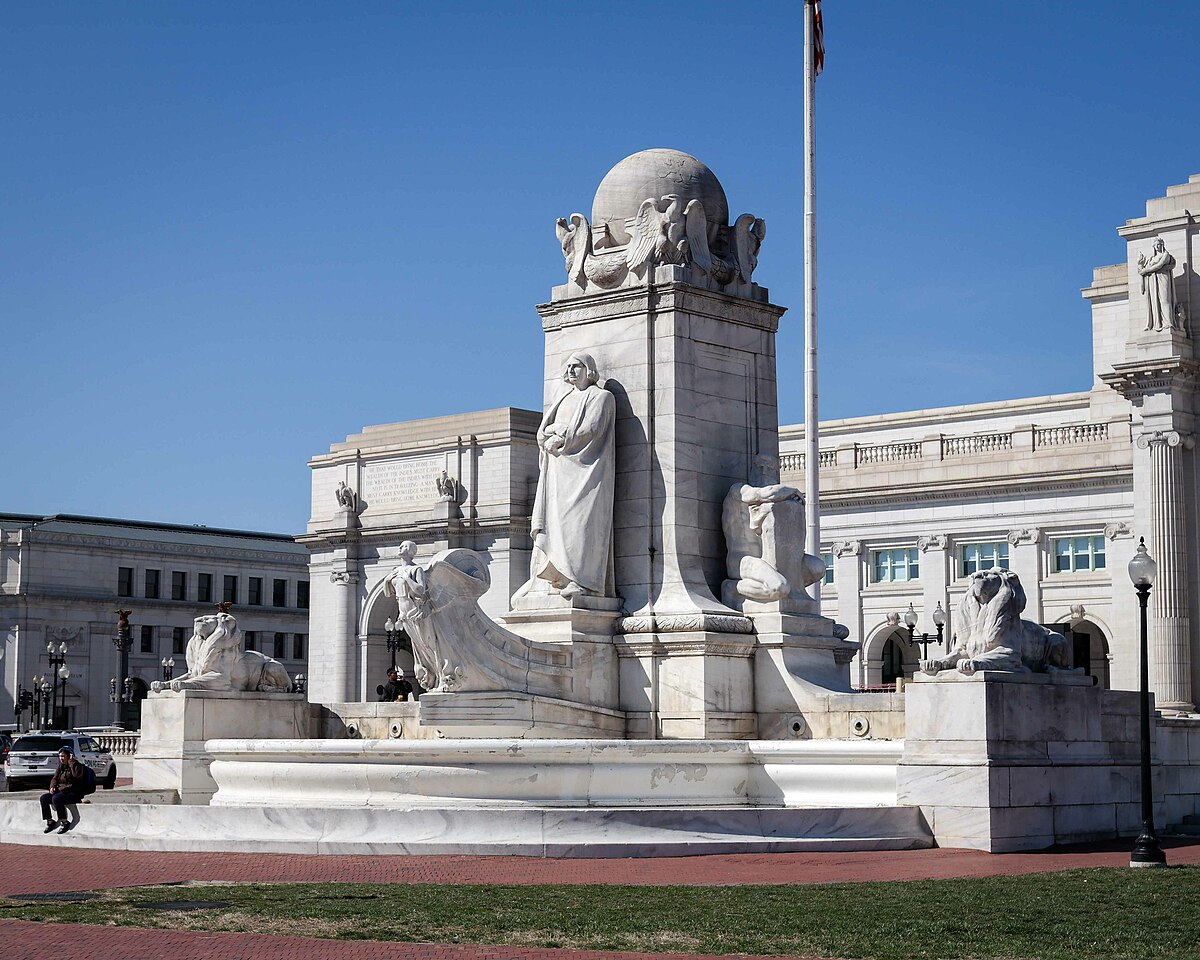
x=967 y=667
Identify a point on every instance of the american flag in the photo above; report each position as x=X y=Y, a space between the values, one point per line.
x=818 y=38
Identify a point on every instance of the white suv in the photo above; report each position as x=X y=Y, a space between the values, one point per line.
x=33 y=758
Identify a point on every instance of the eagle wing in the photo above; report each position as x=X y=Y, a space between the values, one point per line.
x=696 y=224
x=647 y=226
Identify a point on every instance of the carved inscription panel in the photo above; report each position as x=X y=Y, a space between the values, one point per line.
x=397 y=482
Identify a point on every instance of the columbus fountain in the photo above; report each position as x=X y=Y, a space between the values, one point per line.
x=662 y=683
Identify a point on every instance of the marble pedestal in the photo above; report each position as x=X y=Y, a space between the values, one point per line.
x=697 y=684
x=171 y=753
x=584 y=626
x=800 y=660
x=1001 y=761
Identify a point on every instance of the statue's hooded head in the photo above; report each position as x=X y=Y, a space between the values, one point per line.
x=764 y=471
x=587 y=362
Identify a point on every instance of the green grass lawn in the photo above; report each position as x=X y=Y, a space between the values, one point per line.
x=1075 y=914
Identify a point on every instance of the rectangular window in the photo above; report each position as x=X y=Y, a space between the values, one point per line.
x=279 y=646
x=251 y=639
x=255 y=592
x=302 y=594
x=147 y=640
x=229 y=595
x=299 y=642
x=204 y=588
x=828 y=558
x=177 y=641
x=892 y=566
x=152 y=577
x=124 y=581
x=178 y=585
x=983 y=556
x=1073 y=554
x=279 y=593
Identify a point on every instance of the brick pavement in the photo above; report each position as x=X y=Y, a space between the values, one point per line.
x=28 y=869
x=47 y=869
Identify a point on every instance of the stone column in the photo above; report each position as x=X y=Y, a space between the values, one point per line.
x=340 y=683
x=1171 y=660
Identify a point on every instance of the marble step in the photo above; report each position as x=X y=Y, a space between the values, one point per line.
x=517 y=831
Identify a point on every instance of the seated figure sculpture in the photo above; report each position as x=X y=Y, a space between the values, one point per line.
x=764 y=523
x=990 y=634
x=216 y=661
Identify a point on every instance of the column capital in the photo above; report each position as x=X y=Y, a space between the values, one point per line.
x=1024 y=535
x=932 y=541
x=1172 y=438
x=344 y=577
x=846 y=548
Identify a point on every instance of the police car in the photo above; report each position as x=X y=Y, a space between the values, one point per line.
x=33 y=758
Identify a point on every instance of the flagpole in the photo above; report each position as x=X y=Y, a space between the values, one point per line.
x=812 y=486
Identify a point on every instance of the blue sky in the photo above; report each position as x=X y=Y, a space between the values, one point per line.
x=235 y=232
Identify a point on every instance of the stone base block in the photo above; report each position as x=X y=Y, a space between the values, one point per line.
x=507 y=714
x=695 y=685
x=585 y=626
x=1003 y=762
x=175 y=726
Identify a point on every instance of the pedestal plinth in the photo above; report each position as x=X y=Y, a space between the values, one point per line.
x=175 y=726
x=1003 y=761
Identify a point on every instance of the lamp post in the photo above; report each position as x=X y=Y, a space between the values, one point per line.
x=59 y=672
x=939 y=622
x=168 y=669
x=43 y=713
x=35 y=704
x=119 y=685
x=394 y=641
x=1146 y=850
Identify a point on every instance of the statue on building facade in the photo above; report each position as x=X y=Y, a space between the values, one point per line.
x=990 y=634
x=1158 y=288
x=764 y=526
x=447 y=487
x=346 y=497
x=216 y=661
x=573 y=508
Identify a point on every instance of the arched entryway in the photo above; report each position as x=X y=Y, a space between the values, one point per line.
x=376 y=658
x=1089 y=644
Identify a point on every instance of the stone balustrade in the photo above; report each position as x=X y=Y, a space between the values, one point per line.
x=123 y=744
x=945 y=447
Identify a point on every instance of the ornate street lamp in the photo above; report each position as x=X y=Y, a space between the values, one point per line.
x=395 y=639
x=43 y=713
x=168 y=669
x=939 y=622
x=119 y=685
x=35 y=706
x=59 y=671
x=299 y=683
x=1146 y=850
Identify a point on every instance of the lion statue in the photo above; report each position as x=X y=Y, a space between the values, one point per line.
x=990 y=634
x=216 y=661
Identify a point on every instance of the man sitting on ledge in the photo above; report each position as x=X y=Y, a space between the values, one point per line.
x=66 y=786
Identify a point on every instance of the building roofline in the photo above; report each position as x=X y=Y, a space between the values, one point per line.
x=193 y=528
